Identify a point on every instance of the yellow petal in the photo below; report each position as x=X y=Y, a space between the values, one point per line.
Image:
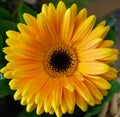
x=56 y=94
x=67 y=26
x=73 y=10
x=8 y=74
x=27 y=70
x=99 y=32
x=30 y=107
x=83 y=91
x=40 y=109
x=93 y=90
x=47 y=29
x=25 y=29
x=58 y=112
x=39 y=82
x=67 y=83
x=106 y=44
x=52 y=16
x=101 y=83
x=93 y=68
x=88 y=45
x=69 y=101
x=104 y=92
x=94 y=54
x=82 y=15
x=61 y=9
x=31 y=21
x=111 y=74
x=44 y=91
x=44 y=9
x=84 y=28
x=110 y=58
x=47 y=103
x=101 y=23
x=17 y=83
x=18 y=94
x=26 y=51
x=81 y=103
x=12 y=34
x=23 y=101
x=64 y=106
x=79 y=75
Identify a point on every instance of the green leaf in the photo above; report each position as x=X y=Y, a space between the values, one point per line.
x=111 y=35
x=4 y=87
x=2 y=60
x=70 y=2
x=5 y=15
x=6 y=25
x=110 y=21
x=24 y=113
x=25 y=9
x=96 y=109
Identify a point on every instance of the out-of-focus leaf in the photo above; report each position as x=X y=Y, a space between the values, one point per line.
x=5 y=15
x=25 y=9
x=70 y=2
x=4 y=87
x=6 y=25
x=2 y=60
x=96 y=109
x=111 y=35
x=110 y=21
x=30 y=114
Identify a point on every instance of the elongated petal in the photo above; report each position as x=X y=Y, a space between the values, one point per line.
x=93 y=68
x=24 y=70
x=39 y=83
x=46 y=28
x=84 y=29
x=101 y=83
x=31 y=21
x=56 y=94
x=67 y=26
x=61 y=9
x=69 y=101
x=111 y=74
x=82 y=15
x=44 y=91
x=73 y=10
x=83 y=91
x=67 y=83
x=91 y=45
x=106 y=44
x=96 y=93
x=95 y=54
x=30 y=107
x=47 y=103
x=81 y=103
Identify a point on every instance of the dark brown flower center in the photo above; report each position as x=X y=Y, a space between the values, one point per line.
x=60 y=60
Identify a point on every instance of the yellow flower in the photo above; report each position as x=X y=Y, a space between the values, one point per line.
x=59 y=60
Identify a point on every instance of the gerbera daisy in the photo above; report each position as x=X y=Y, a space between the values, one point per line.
x=59 y=60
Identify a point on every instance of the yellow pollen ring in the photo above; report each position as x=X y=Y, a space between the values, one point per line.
x=60 y=60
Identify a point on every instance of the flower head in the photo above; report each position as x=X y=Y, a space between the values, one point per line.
x=59 y=60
